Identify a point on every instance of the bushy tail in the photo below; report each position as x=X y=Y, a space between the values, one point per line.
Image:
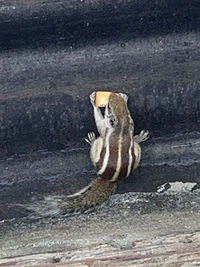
x=96 y=193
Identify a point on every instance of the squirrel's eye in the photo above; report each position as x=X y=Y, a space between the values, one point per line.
x=109 y=110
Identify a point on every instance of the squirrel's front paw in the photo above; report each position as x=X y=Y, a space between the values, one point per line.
x=91 y=138
x=142 y=136
x=92 y=98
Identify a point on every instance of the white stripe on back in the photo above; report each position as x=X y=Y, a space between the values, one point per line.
x=107 y=154
x=130 y=154
x=119 y=159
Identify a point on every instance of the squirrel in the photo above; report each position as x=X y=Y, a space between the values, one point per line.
x=114 y=154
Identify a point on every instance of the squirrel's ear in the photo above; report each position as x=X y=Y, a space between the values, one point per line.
x=124 y=96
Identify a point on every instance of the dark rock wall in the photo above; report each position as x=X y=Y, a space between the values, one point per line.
x=54 y=53
x=43 y=23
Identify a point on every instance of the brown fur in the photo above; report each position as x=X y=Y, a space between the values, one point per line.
x=101 y=188
x=119 y=106
x=119 y=129
x=97 y=193
x=112 y=162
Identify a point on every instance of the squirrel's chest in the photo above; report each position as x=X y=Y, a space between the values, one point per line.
x=116 y=159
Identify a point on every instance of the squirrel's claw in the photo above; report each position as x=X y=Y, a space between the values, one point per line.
x=142 y=136
x=91 y=138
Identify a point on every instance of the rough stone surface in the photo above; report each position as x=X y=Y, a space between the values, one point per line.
x=44 y=94
x=133 y=228
x=61 y=51
x=29 y=177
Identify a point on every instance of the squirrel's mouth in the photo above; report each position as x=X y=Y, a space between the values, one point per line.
x=103 y=111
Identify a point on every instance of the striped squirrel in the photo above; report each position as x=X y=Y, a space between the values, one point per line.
x=114 y=154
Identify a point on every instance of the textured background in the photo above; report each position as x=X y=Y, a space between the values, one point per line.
x=53 y=54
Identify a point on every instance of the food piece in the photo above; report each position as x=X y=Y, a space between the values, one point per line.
x=101 y=98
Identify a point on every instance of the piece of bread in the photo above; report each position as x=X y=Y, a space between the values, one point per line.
x=101 y=98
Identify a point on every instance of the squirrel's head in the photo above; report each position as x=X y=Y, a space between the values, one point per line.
x=116 y=110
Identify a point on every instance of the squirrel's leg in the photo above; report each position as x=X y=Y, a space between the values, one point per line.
x=91 y=138
x=137 y=152
x=95 y=150
x=141 y=137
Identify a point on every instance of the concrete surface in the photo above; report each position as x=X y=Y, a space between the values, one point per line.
x=156 y=219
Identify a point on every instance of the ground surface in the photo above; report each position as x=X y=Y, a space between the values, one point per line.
x=131 y=230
